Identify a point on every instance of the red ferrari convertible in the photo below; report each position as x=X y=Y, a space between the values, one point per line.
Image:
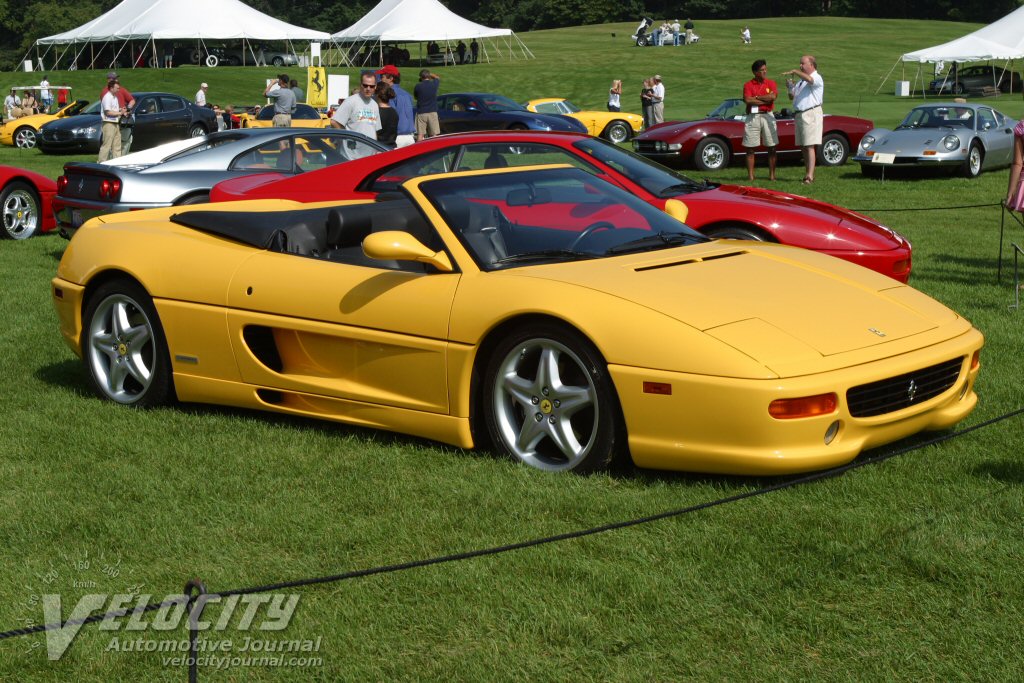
x=724 y=211
x=711 y=143
x=26 y=199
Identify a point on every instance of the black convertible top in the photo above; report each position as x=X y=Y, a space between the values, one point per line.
x=260 y=229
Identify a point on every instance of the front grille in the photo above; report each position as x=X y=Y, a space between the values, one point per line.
x=56 y=135
x=641 y=146
x=896 y=393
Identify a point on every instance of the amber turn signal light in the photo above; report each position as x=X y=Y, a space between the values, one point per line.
x=806 y=406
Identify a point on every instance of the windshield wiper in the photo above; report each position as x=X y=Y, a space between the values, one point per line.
x=545 y=255
x=662 y=239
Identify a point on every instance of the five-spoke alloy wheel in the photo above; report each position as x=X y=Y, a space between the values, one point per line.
x=20 y=205
x=123 y=346
x=549 y=402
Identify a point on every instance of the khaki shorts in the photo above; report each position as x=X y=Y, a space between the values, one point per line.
x=808 y=127
x=760 y=129
x=282 y=120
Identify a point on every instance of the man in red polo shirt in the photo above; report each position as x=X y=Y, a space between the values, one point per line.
x=127 y=102
x=759 y=94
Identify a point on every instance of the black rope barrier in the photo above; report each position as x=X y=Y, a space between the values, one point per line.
x=931 y=208
x=196 y=595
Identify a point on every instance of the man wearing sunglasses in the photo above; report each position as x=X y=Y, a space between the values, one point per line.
x=360 y=112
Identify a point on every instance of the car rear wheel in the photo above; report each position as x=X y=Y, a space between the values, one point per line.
x=196 y=131
x=124 y=348
x=712 y=154
x=972 y=164
x=549 y=401
x=617 y=131
x=20 y=210
x=25 y=137
x=278 y=61
x=958 y=88
x=734 y=232
x=834 y=150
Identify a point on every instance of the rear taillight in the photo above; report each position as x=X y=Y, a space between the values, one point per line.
x=62 y=182
x=110 y=189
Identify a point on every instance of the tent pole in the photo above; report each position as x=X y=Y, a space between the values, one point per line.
x=882 y=84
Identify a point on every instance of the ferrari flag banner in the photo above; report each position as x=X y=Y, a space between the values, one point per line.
x=316 y=86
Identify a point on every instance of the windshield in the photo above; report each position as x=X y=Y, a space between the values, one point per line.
x=570 y=107
x=942 y=116
x=660 y=181
x=550 y=214
x=499 y=103
x=729 y=109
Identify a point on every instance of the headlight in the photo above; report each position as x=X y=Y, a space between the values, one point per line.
x=88 y=130
x=951 y=142
x=867 y=141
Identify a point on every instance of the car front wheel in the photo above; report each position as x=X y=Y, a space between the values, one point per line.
x=20 y=210
x=549 y=401
x=712 y=154
x=972 y=164
x=124 y=348
x=834 y=150
x=617 y=131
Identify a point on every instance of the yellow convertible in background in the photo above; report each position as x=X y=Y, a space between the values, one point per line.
x=22 y=132
x=304 y=116
x=540 y=310
x=613 y=126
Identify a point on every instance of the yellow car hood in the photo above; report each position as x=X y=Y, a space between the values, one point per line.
x=778 y=305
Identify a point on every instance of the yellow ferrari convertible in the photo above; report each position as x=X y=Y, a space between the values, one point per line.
x=539 y=310
x=614 y=126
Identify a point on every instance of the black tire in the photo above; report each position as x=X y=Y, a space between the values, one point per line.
x=617 y=131
x=196 y=131
x=735 y=232
x=197 y=56
x=25 y=137
x=642 y=41
x=201 y=198
x=711 y=154
x=958 y=88
x=278 y=61
x=972 y=164
x=517 y=126
x=578 y=408
x=20 y=205
x=139 y=376
x=834 y=150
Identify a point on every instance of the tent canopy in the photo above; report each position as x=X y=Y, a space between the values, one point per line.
x=1000 y=40
x=181 y=20
x=414 y=21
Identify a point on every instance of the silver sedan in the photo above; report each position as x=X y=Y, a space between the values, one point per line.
x=970 y=138
x=183 y=172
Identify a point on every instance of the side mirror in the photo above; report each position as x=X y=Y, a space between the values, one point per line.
x=395 y=245
x=677 y=209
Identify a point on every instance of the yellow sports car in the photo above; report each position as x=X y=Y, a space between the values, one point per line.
x=22 y=132
x=611 y=125
x=541 y=310
x=303 y=117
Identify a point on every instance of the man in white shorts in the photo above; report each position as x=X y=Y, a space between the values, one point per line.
x=759 y=94
x=807 y=98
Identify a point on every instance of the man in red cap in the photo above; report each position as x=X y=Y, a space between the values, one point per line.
x=402 y=104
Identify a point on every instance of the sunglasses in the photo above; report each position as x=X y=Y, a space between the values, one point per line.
x=369 y=85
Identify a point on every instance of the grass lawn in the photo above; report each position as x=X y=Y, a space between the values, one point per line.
x=906 y=570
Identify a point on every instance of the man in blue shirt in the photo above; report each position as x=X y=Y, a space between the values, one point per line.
x=402 y=104
x=427 y=124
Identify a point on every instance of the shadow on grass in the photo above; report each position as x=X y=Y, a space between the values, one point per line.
x=1006 y=471
x=68 y=375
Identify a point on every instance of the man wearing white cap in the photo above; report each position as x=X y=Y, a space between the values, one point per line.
x=201 y=95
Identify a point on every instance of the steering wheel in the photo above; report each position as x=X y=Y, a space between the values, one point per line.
x=589 y=230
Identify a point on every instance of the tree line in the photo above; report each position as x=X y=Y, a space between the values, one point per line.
x=22 y=23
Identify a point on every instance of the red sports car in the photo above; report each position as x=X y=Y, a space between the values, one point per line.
x=710 y=144
x=725 y=211
x=26 y=199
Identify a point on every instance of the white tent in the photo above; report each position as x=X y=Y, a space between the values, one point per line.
x=198 y=20
x=421 y=21
x=1001 y=40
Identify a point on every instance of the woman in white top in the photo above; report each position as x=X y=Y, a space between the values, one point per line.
x=614 y=92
